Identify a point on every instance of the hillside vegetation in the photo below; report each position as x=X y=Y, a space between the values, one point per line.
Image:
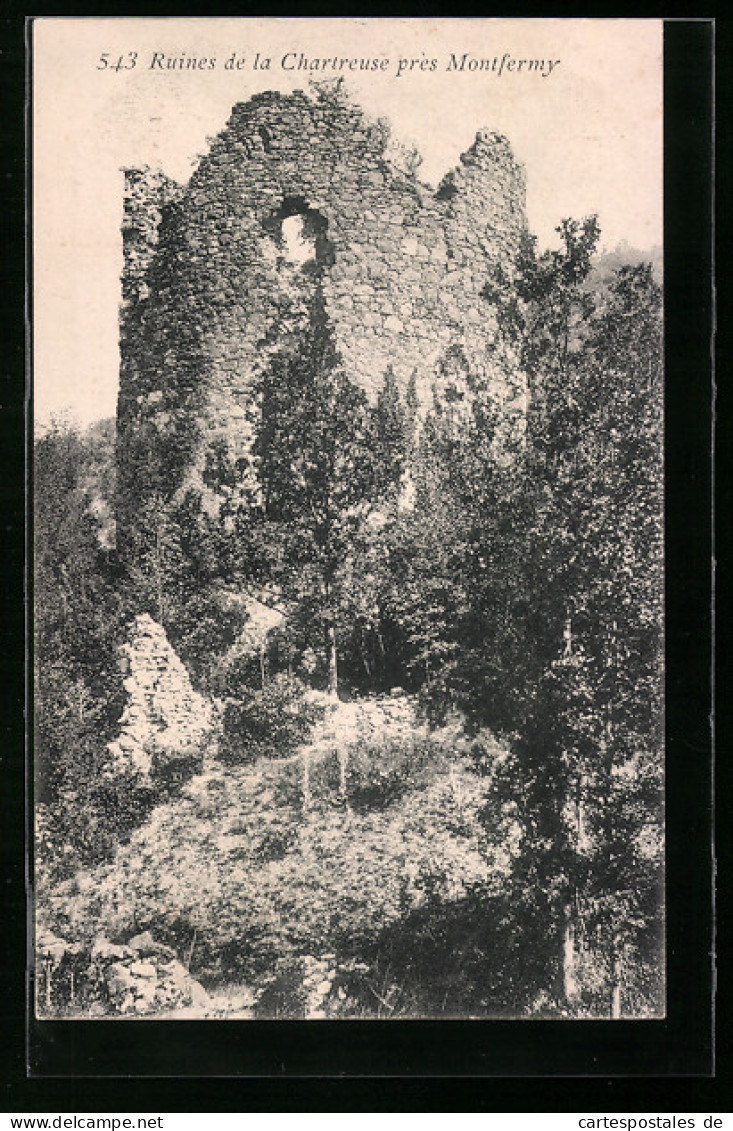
x=397 y=749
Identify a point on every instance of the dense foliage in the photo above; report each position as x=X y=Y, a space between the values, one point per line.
x=276 y=719
x=78 y=608
x=511 y=585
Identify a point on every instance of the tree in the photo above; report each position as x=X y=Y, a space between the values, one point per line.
x=459 y=558
x=585 y=774
x=426 y=596
x=390 y=422
x=316 y=458
x=549 y=631
x=78 y=611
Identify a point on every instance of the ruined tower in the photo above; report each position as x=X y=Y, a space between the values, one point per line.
x=293 y=183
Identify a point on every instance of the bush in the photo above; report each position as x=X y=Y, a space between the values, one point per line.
x=171 y=771
x=381 y=772
x=272 y=722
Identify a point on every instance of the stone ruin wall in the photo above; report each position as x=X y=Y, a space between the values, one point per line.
x=402 y=269
x=164 y=722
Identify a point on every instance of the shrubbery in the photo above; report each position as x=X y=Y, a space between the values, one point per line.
x=270 y=723
x=382 y=771
x=526 y=594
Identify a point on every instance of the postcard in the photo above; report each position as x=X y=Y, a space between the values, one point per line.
x=348 y=473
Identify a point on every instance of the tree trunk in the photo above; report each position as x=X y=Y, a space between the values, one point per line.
x=615 y=988
x=191 y=947
x=568 y=637
x=341 y=751
x=158 y=575
x=569 y=979
x=49 y=968
x=362 y=653
x=455 y=790
x=331 y=647
x=343 y=766
x=306 y=779
x=333 y=675
x=580 y=786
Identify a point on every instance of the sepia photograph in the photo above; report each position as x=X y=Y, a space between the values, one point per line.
x=348 y=520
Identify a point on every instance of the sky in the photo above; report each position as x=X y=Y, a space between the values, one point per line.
x=587 y=126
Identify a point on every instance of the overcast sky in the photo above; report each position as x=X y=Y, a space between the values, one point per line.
x=589 y=134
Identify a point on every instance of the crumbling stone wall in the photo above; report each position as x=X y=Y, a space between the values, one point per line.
x=141 y=976
x=164 y=722
x=146 y=195
x=210 y=272
x=144 y=976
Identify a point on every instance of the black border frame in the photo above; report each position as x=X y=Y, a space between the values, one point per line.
x=184 y=1060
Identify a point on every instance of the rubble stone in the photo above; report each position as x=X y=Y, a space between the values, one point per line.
x=158 y=985
x=164 y=720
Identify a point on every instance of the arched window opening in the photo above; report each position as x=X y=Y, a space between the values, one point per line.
x=299 y=234
x=298 y=245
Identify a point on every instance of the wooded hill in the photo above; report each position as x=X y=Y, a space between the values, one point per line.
x=466 y=659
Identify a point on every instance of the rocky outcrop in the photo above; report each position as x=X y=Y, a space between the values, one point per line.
x=164 y=722
x=144 y=976
x=138 y=977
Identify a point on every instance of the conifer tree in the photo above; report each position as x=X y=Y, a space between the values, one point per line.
x=316 y=460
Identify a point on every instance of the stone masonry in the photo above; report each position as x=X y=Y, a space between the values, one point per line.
x=164 y=720
x=141 y=976
x=296 y=184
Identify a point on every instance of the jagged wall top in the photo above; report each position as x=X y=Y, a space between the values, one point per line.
x=403 y=269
